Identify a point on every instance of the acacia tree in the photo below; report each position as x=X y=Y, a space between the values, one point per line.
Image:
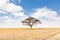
x=31 y=21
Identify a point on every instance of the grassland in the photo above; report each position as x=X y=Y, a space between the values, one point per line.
x=28 y=34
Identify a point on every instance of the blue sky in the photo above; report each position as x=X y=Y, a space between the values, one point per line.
x=29 y=5
x=12 y=12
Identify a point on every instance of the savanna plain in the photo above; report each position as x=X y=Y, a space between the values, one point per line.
x=29 y=34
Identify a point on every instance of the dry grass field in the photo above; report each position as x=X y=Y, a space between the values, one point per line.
x=28 y=34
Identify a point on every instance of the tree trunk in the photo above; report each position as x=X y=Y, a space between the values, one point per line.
x=31 y=26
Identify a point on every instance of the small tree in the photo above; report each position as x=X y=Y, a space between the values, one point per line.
x=30 y=21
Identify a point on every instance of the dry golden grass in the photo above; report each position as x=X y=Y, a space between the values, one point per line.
x=28 y=34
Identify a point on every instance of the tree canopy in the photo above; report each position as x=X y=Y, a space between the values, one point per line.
x=31 y=21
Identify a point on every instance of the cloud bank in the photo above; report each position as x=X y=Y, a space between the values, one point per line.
x=11 y=16
x=48 y=17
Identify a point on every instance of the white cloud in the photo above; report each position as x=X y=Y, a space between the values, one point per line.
x=18 y=14
x=48 y=17
x=9 y=22
x=10 y=7
x=44 y=12
x=15 y=10
x=3 y=3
